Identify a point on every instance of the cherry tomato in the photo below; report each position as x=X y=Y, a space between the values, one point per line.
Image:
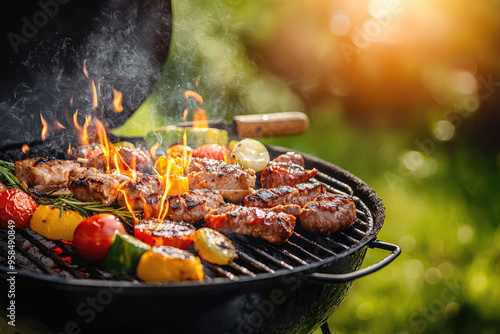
x=213 y=151
x=17 y=206
x=94 y=236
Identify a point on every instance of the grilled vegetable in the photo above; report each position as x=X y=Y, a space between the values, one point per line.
x=165 y=233
x=250 y=153
x=171 y=135
x=124 y=254
x=213 y=151
x=94 y=236
x=167 y=165
x=179 y=150
x=55 y=223
x=17 y=206
x=213 y=246
x=164 y=264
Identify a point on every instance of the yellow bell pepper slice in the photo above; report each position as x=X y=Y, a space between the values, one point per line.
x=55 y=224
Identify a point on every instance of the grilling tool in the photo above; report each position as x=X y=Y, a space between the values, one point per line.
x=260 y=125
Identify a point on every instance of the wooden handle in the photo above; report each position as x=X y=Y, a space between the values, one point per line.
x=270 y=125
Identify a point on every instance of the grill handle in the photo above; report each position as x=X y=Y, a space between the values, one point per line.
x=340 y=278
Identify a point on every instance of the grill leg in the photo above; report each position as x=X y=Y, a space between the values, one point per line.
x=325 y=328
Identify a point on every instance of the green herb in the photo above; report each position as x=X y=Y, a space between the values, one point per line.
x=7 y=176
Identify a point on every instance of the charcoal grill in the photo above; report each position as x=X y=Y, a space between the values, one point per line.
x=290 y=288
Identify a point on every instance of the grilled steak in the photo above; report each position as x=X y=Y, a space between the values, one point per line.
x=300 y=194
x=136 y=158
x=328 y=214
x=292 y=157
x=278 y=174
x=44 y=174
x=90 y=185
x=193 y=205
x=233 y=181
x=271 y=226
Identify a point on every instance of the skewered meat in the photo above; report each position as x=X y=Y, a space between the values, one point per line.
x=90 y=185
x=271 y=226
x=292 y=157
x=165 y=233
x=44 y=174
x=233 y=181
x=137 y=158
x=140 y=191
x=199 y=164
x=193 y=205
x=291 y=209
x=328 y=213
x=278 y=174
x=300 y=194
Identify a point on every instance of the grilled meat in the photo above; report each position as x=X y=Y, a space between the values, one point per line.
x=300 y=194
x=44 y=174
x=327 y=214
x=278 y=174
x=193 y=205
x=233 y=181
x=140 y=191
x=271 y=226
x=137 y=158
x=292 y=157
x=291 y=209
x=90 y=185
x=199 y=164
x=165 y=233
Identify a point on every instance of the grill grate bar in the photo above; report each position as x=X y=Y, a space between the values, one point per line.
x=289 y=255
x=294 y=245
x=314 y=243
x=90 y=268
x=30 y=257
x=241 y=269
x=219 y=270
x=271 y=258
x=45 y=251
x=348 y=237
x=330 y=181
x=255 y=263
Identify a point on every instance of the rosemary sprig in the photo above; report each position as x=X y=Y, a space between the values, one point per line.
x=87 y=209
x=7 y=176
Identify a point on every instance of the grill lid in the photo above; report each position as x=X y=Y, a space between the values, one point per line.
x=125 y=44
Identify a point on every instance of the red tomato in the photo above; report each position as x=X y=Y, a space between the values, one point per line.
x=17 y=206
x=94 y=236
x=213 y=151
x=165 y=233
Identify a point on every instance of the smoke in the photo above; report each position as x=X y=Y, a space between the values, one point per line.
x=125 y=49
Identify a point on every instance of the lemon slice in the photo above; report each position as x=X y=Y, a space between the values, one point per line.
x=250 y=153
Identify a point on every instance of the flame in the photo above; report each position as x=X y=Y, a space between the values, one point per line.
x=83 y=130
x=94 y=95
x=194 y=95
x=117 y=100
x=85 y=68
x=200 y=119
x=69 y=149
x=104 y=144
x=153 y=150
x=25 y=148
x=59 y=125
x=127 y=203
x=45 y=128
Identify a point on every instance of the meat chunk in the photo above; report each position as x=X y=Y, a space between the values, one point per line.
x=328 y=214
x=140 y=191
x=137 y=158
x=44 y=174
x=90 y=185
x=269 y=225
x=290 y=209
x=193 y=205
x=199 y=164
x=285 y=174
x=292 y=157
x=233 y=181
x=300 y=194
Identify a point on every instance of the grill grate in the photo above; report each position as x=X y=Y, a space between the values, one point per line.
x=35 y=253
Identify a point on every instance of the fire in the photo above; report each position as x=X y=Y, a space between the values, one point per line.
x=45 y=128
x=153 y=150
x=104 y=144
x=25 y=148
x=200 y=119
x=117 y=100
x=82 y=130
x=127 y=203
x=69 y=149
x=94 y=95
x=59 y=125
x=194 y=95
x=85 y=68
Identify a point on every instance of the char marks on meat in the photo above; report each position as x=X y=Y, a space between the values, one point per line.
x=233 y=181
x=137 y=158
x=278 y=174
x=193 y=205
x=140 y=191
x=328 y=213
x=44 y=174
x=292 y=157
x=300 y=194
x=269 y=225
x=90 y=185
